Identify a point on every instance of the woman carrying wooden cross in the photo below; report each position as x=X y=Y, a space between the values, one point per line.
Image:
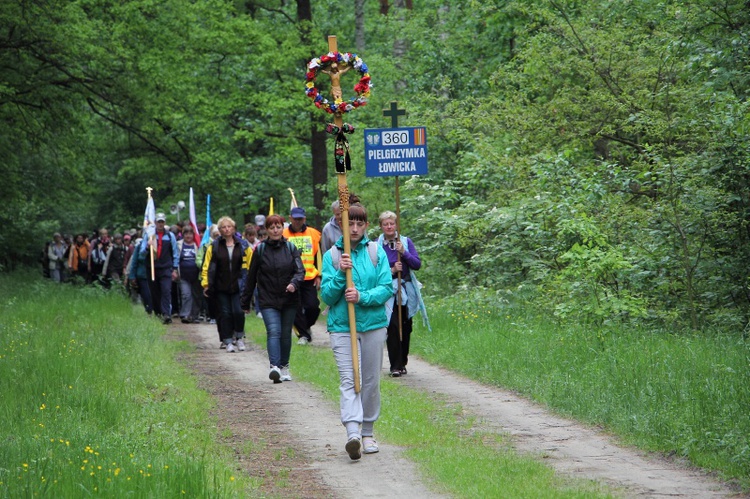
x=371 y=289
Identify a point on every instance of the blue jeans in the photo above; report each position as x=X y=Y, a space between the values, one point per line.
x=279 y=334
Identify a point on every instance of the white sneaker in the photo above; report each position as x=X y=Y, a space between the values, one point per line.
x=241 y=345
x=370 y=445
x=274 y=374
x=230 y=348
x=285 y=375
x=222 y=345
x=259 y=315
x=303 y=341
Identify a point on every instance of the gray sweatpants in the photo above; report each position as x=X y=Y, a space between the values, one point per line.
x=363 y=407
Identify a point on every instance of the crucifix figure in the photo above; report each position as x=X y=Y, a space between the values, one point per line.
x=335 y=75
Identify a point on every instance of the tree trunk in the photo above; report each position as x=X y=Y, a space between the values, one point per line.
x=319 y=169
x=400 y=46
x=359 y=25
x=319 y=162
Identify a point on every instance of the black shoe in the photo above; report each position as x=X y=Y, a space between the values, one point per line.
x=354 y=448
x=395 y=374
x=186 y=320
x=403 y=371
x=167 y=320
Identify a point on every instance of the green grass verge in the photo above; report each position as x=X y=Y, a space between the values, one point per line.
x=450 y=451
x=94 y=403
x=685 y=395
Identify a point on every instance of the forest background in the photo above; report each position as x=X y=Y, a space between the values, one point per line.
x=589 y=157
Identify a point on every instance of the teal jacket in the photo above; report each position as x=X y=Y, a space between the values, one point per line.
x=373 y=283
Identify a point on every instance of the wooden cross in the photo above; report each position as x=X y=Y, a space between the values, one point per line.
x=343 y=188
x=394 y=113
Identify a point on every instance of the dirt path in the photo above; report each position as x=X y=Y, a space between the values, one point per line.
x=289 y=438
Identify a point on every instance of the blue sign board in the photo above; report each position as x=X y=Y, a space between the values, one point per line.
x=391 y=152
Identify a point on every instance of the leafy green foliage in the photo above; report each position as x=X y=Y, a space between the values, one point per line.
x=593 y=154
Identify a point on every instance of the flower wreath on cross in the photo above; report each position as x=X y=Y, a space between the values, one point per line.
x=322 y=63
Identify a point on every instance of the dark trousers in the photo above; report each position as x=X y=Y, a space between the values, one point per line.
x=231 y=319
x=83 y=272
x=398 y=350
x=176 y=298
x=161 y=292
x=308 y=313
x=144 y=290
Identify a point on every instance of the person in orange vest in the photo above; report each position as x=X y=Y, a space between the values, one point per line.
x=78 y=257
x=307 y=240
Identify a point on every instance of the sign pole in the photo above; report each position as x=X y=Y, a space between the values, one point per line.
x=394 y=112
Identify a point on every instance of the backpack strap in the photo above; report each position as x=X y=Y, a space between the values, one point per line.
x=372 y=250
x=262 y=246
x=260 y=249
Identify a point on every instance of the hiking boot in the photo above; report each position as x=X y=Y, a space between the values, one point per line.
x=370 y=445
x=241 y=345
x=354 y=448
x=285 y=375
x=303 y=341
x=230 y=348
x=274 y=374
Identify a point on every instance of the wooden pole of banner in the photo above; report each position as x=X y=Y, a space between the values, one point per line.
x=150 y=246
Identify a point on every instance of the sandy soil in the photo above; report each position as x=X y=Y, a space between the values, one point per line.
x=289 y=438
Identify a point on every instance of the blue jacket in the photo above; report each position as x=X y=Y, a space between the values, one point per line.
x=373 y=284
x=175 y=260
x=137 y=267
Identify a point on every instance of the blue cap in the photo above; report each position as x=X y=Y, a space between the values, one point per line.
x=298 y=212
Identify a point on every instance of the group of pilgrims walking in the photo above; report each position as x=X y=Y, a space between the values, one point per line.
x=279 y=270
